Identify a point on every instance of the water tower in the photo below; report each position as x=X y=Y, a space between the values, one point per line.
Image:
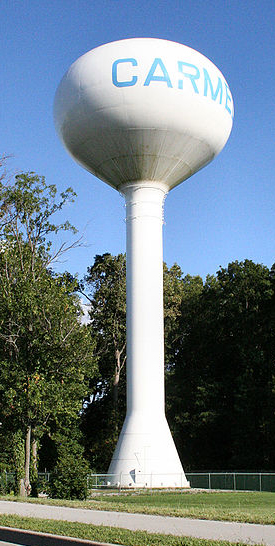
x=143 y=115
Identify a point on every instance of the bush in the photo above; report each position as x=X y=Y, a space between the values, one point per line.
x=69 y=478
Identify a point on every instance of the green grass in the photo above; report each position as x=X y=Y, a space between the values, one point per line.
x=250 y=507
x=105 y=534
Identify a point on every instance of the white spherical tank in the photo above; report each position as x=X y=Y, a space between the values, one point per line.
x=143 y=109
x=143 y=115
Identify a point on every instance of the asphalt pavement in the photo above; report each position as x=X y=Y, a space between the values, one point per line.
x=247 y=533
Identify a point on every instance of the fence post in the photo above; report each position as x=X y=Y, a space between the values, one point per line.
x=209 y=481
x=260 y=479
x=234 y=481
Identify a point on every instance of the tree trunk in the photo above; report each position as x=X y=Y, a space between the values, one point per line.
x=34 y=456
x=27 y=484
x=116 y=378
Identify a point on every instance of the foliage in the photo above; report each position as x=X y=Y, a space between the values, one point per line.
x=106 y=281
x=178 y=291
x=46 y=354
x=105 y=409
x=26 y=209
x=69 y=479
x=18 y=457
x=223 y=369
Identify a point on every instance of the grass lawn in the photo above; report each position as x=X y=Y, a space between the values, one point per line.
x=243 y=506
x=105 y=534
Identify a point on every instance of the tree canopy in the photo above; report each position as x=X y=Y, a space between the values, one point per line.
x=46 y=354
x=221 y=383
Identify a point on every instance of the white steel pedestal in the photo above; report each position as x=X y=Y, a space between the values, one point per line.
x=145 y=455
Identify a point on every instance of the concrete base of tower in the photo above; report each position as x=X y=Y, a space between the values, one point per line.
x=146 y=455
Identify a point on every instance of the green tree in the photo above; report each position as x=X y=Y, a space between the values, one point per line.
x=178 y=291
x=105 y=284
x=224 y=370
x=46 y=354
x=180 y=376
x=246 y=292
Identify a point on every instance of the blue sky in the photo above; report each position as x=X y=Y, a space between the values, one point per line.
x=223 y=213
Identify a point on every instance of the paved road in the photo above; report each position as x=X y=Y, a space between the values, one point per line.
x=215 y=530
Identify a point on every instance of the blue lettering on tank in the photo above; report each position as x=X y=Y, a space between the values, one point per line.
x=152 y=78
x=127 y=83
x=208 y=82
x=192 y=77
x=220 y=94
x=228 y=98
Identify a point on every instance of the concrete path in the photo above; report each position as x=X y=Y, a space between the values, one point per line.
x=216 y=530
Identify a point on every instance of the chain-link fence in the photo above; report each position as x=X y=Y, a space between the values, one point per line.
x=136 y=480
x=236 y=481
x=8 y=481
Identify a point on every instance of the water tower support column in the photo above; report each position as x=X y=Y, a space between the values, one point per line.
x=145 y=454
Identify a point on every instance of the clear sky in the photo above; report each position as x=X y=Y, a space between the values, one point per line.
x=223 y=213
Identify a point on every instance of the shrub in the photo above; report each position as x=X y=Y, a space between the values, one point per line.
x=69 y=478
